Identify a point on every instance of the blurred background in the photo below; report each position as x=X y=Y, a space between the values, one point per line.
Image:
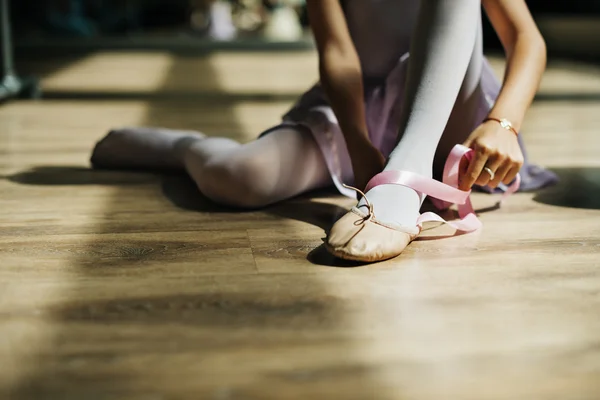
x=47 y=34
x=151 y=23
x=571 y=27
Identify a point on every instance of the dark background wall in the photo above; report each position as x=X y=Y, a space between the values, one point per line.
x=571 y=27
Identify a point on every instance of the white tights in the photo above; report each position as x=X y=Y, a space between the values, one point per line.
x=278 y=166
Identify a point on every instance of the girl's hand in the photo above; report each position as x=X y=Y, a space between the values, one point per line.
x=495 y=148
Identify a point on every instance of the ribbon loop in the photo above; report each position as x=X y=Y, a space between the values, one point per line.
x=443 y=194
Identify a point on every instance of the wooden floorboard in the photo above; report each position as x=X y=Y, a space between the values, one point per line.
x=132 y=285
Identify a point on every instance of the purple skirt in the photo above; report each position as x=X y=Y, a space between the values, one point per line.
x=383 y=103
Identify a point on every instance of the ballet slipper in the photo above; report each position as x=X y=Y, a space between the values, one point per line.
x=359 y=236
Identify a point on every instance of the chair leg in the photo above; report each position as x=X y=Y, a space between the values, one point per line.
x=10 y=83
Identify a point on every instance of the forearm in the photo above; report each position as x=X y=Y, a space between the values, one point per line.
x=341 y=78
x=526 y=62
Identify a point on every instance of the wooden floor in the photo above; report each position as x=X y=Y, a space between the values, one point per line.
x=132 y=286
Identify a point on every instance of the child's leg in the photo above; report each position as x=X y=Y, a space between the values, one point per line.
x=463 y=119
x=440 y=53
x=280 y=165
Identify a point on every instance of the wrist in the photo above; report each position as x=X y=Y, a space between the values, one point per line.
x=504 y=123
x=514 y=115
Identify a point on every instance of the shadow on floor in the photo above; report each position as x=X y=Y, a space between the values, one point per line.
x=577 y=188
x=180 y=190
x=67 y=176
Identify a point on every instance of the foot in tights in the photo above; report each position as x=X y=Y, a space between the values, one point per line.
x=142 y=148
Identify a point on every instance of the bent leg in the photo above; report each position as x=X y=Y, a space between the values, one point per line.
x=440 y=54
x=467 y=110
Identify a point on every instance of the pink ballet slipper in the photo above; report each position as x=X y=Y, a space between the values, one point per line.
x=359 y=236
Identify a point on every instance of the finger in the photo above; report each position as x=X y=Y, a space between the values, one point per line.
x=512 y=174
x=473 y=171
x=500 y=173
x=463 y=166
x=493 y=163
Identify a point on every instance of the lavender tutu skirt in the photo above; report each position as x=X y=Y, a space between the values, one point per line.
x=383 y=102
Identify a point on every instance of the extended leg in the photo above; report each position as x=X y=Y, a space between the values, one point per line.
x=278 y=166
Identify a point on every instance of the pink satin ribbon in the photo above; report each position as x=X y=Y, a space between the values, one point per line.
x=443 y=195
